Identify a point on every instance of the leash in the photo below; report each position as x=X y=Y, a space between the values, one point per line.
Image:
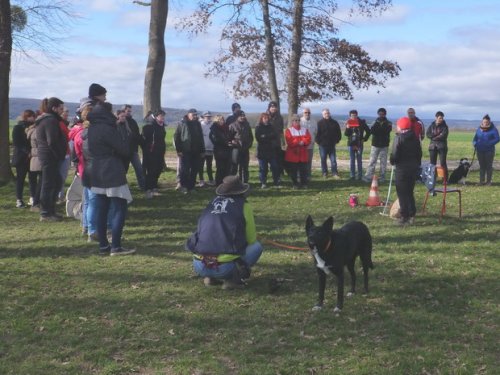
x=289 y=247
x=285 y=246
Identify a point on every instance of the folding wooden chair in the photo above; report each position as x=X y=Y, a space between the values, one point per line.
x=444 y=191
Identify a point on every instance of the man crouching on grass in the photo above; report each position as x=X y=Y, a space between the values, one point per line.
x=225 y=245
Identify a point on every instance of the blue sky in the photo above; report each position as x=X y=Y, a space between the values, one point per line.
x=449 y=52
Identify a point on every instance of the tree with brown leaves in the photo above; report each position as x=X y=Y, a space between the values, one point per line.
x=295 y=39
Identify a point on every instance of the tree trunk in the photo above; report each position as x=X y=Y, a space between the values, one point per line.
x=269 y=40
x=5 y=55
x=296 y=53
x=156 y=59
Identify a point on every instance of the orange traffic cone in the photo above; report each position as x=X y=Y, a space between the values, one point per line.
x=373 y=197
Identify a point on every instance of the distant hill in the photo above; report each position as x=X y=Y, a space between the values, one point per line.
x=18 y=105
x=173 y=115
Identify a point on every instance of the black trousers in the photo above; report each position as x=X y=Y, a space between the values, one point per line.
x=296 y=170
x=223 y=168
x=240 y=159
x=21 y=171
x=51 y=181
x=152 y=166
x=405 y=184
x=433 y=155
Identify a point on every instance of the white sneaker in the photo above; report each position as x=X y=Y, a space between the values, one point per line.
x=121 y=251
x=201 y=183
x=148 y=194
x=178 y=186
x=263 y=186
x=30 y=201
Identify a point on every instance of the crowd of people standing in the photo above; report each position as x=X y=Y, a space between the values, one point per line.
x=103 y=144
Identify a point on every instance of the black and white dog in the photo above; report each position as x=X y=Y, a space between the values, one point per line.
x=334 y=249
x=460 y=173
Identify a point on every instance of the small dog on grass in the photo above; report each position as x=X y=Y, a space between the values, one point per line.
x=334 y=249
x=460 y=173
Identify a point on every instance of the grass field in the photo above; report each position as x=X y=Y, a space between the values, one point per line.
x=433 y=307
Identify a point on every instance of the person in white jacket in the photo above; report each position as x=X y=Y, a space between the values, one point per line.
x=206 y=124
x=307 y=123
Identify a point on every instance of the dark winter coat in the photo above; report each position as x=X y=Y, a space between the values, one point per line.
x=328 y=134
x=241 y=134
x=438 y=134
x=52 y=142
x=107 y=149
x=363 y=132
x=381 y=132
x=188 y=137
x=136 y=139
x=266 y=141
x=406 y=151
x=153 y=139
x=220 y=139
x=21 y=144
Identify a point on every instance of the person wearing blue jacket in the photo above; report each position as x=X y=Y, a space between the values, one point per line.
x=484 y=142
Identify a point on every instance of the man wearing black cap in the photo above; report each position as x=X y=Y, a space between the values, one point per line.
x=381 y=136
x=97 y=93
x=190 y=147
x=235 y=109
x=225 y=245
x=278 y=125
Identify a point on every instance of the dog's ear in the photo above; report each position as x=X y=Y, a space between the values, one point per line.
x=328 y=224
x=309 y=223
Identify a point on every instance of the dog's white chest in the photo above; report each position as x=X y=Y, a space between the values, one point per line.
x=320 y=263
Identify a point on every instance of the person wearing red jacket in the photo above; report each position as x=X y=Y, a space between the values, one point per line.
x=297 y=156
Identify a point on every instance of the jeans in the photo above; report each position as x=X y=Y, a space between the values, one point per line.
x=375 y=153
x=51 y=182
x=190 y=162
x=225 y=270
x=89 y=219
x=263 y=170
x=135 y=160
x=485 y=165
x=356 y=156
x=103 y=206
x=323 y=154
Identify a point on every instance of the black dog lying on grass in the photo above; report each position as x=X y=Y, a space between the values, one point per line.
x=334 y=249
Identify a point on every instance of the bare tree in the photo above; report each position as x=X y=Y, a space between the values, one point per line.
x=310 y=61
x=5 y=56
x=157 y=56
x=26 y=25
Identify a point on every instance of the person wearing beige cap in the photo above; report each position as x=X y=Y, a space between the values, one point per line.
x=225 y=245
x=406 y=155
